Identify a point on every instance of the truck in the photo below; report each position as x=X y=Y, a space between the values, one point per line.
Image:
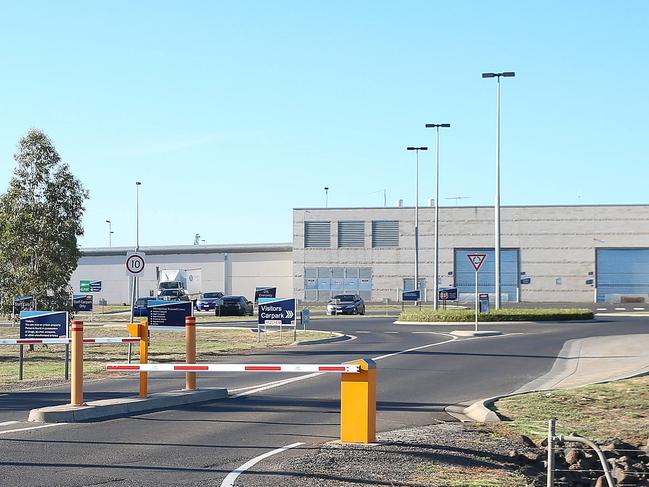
x=180 y=284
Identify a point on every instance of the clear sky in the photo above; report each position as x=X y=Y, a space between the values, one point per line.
x=233 y=113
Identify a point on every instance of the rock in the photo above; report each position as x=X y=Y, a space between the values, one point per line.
x=625 y=476
x=532 y=457
x=528 y=441
x=601 y=481
x=572 y=456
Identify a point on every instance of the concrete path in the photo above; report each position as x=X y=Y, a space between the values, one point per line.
x=596 y=359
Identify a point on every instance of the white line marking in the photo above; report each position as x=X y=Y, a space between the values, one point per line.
x=7 y=423
x=229 y=480
x=381 y=357
x=390 y=332
x=639 y=309
x=601 y=309
x=423 y=332
x=620 y=309
x=362 y=331
x=32 y=428
x=272 y=385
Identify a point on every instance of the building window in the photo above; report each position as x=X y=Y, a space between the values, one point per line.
x=317 y=234
x=385 y=233
x=351 y=234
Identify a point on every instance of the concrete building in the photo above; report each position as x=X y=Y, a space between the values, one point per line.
x=231 y=269
x=549 y=253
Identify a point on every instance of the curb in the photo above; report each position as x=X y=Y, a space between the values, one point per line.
x=338 y=338
x=472 y=333
x=470 y=323
x=113 y=408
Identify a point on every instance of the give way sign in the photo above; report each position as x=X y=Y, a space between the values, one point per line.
x=476 y=260
x=135 y=263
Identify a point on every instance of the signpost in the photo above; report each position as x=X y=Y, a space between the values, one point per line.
x=135 y=263
x=168 y=313
x=476 y=261
x=265 y=292
x=89 y=286
x=39 y=325
x=411 y=295
x=449 y=294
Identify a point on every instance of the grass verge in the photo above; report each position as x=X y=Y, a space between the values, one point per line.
x=598 y=412
x=468 y=315
x=47 y=362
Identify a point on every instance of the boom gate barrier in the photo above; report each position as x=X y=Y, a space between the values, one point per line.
x=357 y=388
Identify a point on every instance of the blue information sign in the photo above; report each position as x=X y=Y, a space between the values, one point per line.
x=526 y=280
x=265 y=292
x=23 y=303
x=276 y=311
x=449 y=294
x=484 y=303
x=411 y=295
x=168 y=313
x=43 y=324
x=82 y=302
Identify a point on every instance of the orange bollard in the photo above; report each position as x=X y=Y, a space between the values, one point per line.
x=358 y=404
x=190 y=351
x=76 y=385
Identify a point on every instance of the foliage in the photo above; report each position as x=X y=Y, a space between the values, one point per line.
x=40 y=221
x=468 y=315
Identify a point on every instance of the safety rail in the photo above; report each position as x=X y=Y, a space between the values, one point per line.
x=65 y=341
x=285 y=368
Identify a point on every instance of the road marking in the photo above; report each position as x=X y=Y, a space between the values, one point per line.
x=639 y=309
x=229 y=480
x=601 y=309
x=272 y=385
x=423 y=332
x=620 y=309
x=381 y=357
x=390 y=332
x=362 y=331
x=7 y=423
x=31 y=428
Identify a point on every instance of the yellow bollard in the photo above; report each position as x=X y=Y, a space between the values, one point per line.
x=76 y=385
x=358 y=404
x=190 y=351
x=141 y=330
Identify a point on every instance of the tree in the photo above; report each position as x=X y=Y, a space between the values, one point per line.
x=40 y=221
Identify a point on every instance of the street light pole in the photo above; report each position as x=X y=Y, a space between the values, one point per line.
x=110 y=233
x=135 y=290
x=506 y=74
x=417 y=149
x=436 y=126
x=326 y=188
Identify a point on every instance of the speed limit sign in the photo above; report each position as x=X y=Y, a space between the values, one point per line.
x=134 y=263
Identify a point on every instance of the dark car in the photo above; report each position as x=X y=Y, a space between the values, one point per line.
x=346 y=304
x=173 y=295
x=234 y=305
x=141 y=307
x=208 y=301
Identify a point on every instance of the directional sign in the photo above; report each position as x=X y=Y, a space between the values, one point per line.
x=448 y=294
x=89 y=286
x=82 y=302
x=265 y=292
x=306 y=317
x=276 y=311
x=43 y=324
x=411 y=295
x=23 y=303
x=168 y=313
x=135 y=263
x=476 y=260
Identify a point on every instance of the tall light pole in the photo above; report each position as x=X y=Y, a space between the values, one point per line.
x=505 y=74
x=417 y=149
x=110 y=233
x=135 y=291
x=326 y=188
x=436 y=126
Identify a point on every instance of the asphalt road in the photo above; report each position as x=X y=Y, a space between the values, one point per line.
x=421 y=370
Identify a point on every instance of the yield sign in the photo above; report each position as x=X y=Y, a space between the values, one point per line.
x=477 y=260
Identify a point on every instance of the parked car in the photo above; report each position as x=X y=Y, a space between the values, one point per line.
x=234 y=305
x=350 y=304
x=208 y=301
x=141 y=307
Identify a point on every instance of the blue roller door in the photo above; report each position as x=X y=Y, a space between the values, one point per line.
x=465 y=274
x=622 y=273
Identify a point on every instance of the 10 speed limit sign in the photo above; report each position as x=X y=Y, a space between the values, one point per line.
x=135 y=263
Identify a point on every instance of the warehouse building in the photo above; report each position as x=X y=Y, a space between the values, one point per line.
x=578 y=254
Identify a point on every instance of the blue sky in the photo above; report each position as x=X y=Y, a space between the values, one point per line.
x=233 y=113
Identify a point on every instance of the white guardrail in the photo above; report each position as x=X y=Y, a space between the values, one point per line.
x=65 y=341
x=338 y=368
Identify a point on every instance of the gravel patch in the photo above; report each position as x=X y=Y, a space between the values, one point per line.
x=445 y=454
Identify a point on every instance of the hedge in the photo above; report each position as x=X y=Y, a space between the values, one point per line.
x=468 y=315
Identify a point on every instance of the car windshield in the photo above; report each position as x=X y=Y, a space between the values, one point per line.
x=170 y=285
x=344 y=298
x=169 y=292
x=210 y=295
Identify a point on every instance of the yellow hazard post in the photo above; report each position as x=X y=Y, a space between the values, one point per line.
x=76 y=384
x=141 y=330
x=190 y=351
x=358 y=404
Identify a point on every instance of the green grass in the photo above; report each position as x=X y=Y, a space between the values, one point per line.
x=47 y=363
x=466 y=476
x=598 y=412
x=468 y=315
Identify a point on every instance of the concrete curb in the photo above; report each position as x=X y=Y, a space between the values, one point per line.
x=112 y=408
x=340 y=337
x=470 y=323
x=473 y=333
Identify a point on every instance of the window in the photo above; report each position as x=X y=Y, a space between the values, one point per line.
x=351 y=234
x=317 y=234
x=385 y=233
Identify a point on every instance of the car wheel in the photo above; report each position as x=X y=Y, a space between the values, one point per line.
x=363 y=310
x=355 y=311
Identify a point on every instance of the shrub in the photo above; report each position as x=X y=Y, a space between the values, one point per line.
x=468 y=315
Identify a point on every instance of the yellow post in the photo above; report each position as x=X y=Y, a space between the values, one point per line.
x=358 y=404
x=190 y=351
x=76 y=385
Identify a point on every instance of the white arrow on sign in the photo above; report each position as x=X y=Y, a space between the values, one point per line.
x=289 y=314
x=134 y=263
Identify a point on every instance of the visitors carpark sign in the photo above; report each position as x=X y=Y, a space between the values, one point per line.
x=276 y=311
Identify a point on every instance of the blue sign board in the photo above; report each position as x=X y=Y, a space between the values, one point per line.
x=526 y=280
x=590 y=281
x=449 y=294
x=82 y=302
x=265 y=292
x=484 y=303
x=23 y=303
x=411 y=295
x=306 y=317
x=43 y=324
x=276 y=311
x=168 y=313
